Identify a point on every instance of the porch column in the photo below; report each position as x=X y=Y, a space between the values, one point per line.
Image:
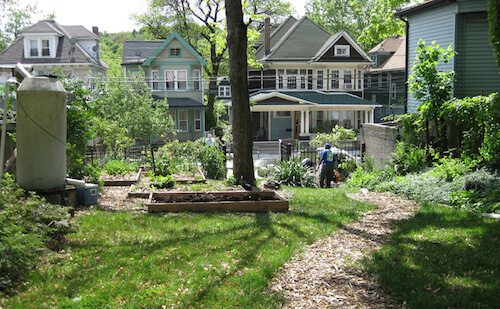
x=307 y=122
x=269 y=125
x=302 y=121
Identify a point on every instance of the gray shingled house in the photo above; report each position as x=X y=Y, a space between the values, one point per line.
x=47 y=45
x=173 y=69
x=307 y=76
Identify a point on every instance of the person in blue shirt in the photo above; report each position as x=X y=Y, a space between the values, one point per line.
x=327 y=163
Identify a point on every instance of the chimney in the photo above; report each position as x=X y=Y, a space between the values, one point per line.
x=95 y=29
x=267 y=36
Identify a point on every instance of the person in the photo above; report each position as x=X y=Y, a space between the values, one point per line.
x=327 y=163
x=210 y=140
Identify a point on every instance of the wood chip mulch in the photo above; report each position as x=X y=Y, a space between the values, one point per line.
x=324 y=275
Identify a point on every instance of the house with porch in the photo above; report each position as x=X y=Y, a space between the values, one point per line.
x=174 y=70
x=464 y=24
x=306 y=77
x=48 y=46
x=385 y=80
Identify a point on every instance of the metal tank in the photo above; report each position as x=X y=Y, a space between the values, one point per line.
x=41 y=134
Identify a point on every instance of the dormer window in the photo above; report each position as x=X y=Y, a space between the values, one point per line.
x=225 y=91
x=175 y=52
x=36 y=47
x=342 y=51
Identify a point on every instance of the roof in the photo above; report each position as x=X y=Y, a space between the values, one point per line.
x=390 y=45
x=420 y=7
x=144 y=52
x=184 y=103
x=303 y=40
x=66 y=52
x=395 y=62
x=315 y=97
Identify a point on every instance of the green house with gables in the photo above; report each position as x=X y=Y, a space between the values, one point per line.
x=174 y=70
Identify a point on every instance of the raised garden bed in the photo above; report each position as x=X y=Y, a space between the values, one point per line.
x=234 y=201
x=122 y=180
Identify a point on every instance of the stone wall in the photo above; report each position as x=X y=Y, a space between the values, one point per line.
x=380 y=142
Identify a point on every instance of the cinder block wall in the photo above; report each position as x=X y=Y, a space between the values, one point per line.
x=380 y=142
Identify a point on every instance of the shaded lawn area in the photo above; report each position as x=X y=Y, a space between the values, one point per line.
x=442 y=258
x=202 y=260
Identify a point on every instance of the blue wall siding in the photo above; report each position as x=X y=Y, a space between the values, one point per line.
x=436 y=25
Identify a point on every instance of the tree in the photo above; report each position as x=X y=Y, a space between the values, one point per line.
x=241 y=121
x=202 y=24
x=432 y=87
x=13 y=19
x=367 y=21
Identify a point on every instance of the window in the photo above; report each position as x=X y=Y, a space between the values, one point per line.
x=360 y=79
x=45 y=48
x=197 y=120
x=348 y=79
x=196 y=80
x=281 y=76
x=224 y=91
x=291 y=78
x=33 y=48
x=282 y=114
x=334 y=79
x=374 y=98
x=155 y=83
x=319 y=80
x=342 y=51
x=380 y=80
x=175 y=79
x=319 y=118
x=175 y=52
x=393 y=91
x=303 y=78
x=182 y=124
x=39 y=47
x=369 y=81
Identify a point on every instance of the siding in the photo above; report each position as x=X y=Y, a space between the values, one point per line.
x=469 y=6
x=436 y=25
x=475 y=64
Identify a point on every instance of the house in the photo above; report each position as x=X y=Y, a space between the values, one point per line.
x=47 y=46
x=464 y=24
x=307 y=77
x=385 y=80
x=173 y=69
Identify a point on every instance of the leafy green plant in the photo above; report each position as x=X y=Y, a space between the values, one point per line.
x=338 y=134
x=449 y=169
x=164 y=182
x=213 y=162
x=118 y=167
x=293 y=173
x=408 y=158
x=27 y=224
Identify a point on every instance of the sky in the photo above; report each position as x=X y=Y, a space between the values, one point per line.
x=109 y=15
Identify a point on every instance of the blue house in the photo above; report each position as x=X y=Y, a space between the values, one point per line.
x=464 y=24
x=174 y=70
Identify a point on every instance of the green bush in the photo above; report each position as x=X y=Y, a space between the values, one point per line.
x=118 y=167
x=27 y=224
x=164 y=182
x=292 y=173
x=361 y=178
x=165 y=165
x=213 y=162
x=480 y=192
x=408 y=158
x=450 y=169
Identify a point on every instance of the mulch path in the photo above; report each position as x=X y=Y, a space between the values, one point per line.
x=323 y=276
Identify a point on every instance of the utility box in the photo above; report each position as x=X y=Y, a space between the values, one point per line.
x=87 y=195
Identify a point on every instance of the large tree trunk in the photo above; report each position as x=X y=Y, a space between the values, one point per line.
x=241 y=120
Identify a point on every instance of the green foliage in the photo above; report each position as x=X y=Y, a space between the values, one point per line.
x=326 y=126
x=293 y=173
x=432 y=87
x=493 y=18
x=14 y=19
x=160 y=181
x=178 y=157
x=370 y=180
x=480 y=192
x=490 y=149
x=120 y=167
x=449 y=169
x=27 y=224
x=213 y=162
x=338 y=134
x=408 y=158
x=346 y=165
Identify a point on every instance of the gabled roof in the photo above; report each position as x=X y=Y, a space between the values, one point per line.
x=315 y=97
x=66 y=52
x=397 y=61
x=136 y=52
x=165 y=43
x=304 y=40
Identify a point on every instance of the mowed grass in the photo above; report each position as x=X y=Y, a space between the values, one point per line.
x=442 y=258
x=181 y=260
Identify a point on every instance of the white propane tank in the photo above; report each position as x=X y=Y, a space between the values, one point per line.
x=41 y=134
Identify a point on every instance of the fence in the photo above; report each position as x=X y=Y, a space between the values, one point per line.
x=303 y=149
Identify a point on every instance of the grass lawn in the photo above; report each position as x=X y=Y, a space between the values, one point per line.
x=202 y=260
x=442 y=258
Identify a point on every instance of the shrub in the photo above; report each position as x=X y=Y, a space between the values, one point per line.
x=408 y=158
x=293 y=173
x=449 y=169
x=27 y=224
x=361 y=178
x=213 y=162
x=118 y=167
x=480 y=192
